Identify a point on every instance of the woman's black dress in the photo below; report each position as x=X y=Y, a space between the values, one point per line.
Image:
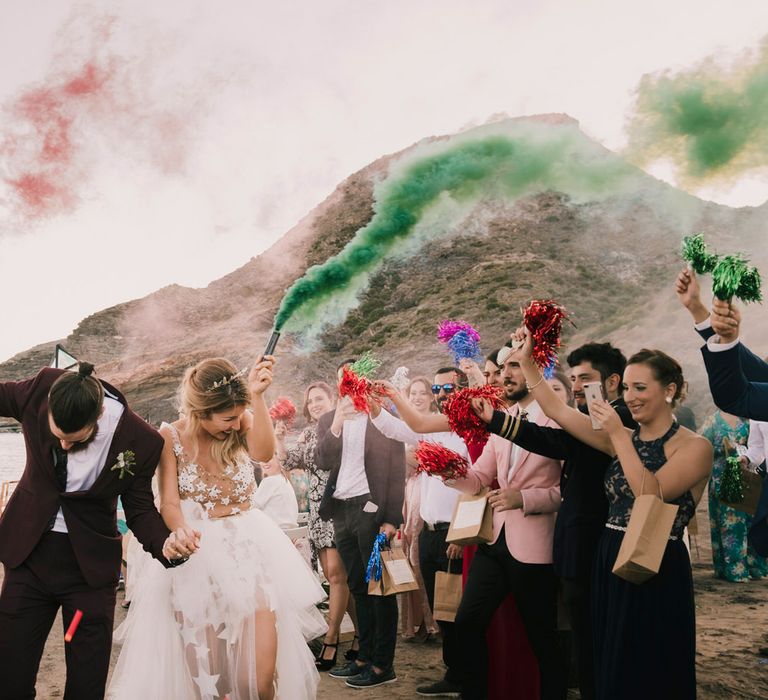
x=645 y=635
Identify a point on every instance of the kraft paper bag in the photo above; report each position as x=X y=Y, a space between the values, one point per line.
x=448 y=591
x=396 y=575
x=472 y=521
x=646 y=539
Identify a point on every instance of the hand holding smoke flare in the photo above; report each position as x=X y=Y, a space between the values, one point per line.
x=357 y=382
x=436 y=460
x=462 y=340
x=544 y=319
x=283 y=410
x=731 y=274
x=462 y=417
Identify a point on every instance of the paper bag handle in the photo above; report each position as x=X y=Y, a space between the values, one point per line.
x=658 y=483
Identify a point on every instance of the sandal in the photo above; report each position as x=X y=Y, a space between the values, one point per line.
x=351 y=654
x=323 y=664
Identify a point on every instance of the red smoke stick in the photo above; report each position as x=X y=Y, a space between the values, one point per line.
x=73 y=625
x=462 y=418
x=437 y=460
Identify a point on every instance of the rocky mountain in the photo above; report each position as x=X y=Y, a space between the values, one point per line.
x=611 y=263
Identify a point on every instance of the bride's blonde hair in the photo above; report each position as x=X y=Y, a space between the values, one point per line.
x=213 y=386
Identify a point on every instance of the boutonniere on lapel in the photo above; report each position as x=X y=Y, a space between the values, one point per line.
x=125 y=460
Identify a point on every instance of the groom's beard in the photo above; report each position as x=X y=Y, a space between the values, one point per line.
x=79 y=446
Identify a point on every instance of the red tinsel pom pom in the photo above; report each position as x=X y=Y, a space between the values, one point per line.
x=283 y=410
x=359 y=389
x=437 y=460
x=463 y=420
x=544 y=319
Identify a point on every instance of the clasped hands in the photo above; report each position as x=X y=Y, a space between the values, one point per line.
x=725 y=317
x=183 y=542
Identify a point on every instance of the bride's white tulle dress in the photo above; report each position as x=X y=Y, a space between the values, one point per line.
x=192 y=632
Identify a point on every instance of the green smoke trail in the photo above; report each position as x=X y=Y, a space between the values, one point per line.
x=709 y=121
x=506 y=161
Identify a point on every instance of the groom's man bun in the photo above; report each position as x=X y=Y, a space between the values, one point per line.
x=75 y=399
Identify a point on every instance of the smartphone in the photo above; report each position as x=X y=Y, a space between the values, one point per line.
x=593 y=391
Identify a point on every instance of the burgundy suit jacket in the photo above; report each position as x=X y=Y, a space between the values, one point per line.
x=91 y=515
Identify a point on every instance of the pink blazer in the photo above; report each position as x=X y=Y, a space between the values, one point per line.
x=528 y=530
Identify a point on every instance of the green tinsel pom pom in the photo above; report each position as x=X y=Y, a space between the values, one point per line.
x=732 y=277
x=731 y=486
x=694 y=251
x=749 y=287
x=366 y=366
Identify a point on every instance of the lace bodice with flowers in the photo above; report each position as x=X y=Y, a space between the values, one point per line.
x=221 y=493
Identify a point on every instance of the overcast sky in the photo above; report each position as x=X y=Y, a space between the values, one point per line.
x=219 y=125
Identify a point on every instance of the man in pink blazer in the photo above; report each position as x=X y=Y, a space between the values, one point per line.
x=519 y=559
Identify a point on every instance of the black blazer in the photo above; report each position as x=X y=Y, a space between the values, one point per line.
x=584 y=508
x=91 y=515
x=384 y=469
x=738 y=380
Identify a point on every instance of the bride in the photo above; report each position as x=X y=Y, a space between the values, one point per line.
x=233 y=619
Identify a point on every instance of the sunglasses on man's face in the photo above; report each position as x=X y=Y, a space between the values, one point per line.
x=447 y=388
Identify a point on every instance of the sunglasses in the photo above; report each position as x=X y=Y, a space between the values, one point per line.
x=447 y=388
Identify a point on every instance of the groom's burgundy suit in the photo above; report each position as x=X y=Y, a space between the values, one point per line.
x=78 y=569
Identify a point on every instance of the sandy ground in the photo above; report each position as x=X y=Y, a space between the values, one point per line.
x=732 y=625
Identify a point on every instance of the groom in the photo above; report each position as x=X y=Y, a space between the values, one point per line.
x=58 y=534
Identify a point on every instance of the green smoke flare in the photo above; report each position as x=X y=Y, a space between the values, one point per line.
x=507 y=162
x=708 y=121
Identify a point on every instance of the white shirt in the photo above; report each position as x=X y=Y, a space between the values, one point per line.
x=437 y=500
x=757 y=444
x=276 y=498
x=713 y=342
x=534 y=411
x=352 y=480
x=84 y=466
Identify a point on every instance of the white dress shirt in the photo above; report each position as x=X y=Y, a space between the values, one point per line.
x=437 y=500
x=757 y=444
x=352 y=480
x=84 y=466
x=713 y=342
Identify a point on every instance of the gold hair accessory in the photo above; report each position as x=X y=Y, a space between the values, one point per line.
x=227 y=380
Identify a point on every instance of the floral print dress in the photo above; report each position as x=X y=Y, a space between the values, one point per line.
x=302 y=456
x=732 y=556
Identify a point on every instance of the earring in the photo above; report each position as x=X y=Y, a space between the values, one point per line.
x=668 y=399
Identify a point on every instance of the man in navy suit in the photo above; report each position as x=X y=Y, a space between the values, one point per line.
x=738 y=379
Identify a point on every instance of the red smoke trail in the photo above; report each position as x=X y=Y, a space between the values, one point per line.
x=92 y=106
x=42 y=152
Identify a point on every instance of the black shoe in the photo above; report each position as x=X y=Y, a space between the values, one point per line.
x=369 y=678
x=351 y=654
x=324 y=664
x=347 y=670
x=441 y=689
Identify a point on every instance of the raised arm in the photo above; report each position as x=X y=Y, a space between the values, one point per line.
x=574 y=421
x=418 y=422
x=689 y=465
x=260 y=435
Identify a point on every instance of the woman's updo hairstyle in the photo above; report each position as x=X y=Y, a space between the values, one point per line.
x=666 y=370
x=76 y=399
x=214 y=386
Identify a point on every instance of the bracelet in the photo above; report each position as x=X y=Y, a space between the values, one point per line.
x=531 y=387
